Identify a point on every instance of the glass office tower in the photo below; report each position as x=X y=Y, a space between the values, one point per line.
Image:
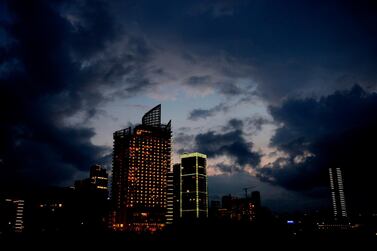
x=194 y=189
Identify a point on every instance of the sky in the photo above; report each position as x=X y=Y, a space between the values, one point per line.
x=274 y=92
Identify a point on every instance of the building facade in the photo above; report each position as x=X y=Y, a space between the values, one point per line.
x=337 y=193
x=141 y=161
x=194 y=188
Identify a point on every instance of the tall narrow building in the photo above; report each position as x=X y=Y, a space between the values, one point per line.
x=337 y=193
x=194 y=195
x=177 y=192
x=174 y=191
x=170 y=199
x=12 y=215
x=141 y=161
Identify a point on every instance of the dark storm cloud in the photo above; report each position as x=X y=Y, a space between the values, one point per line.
x=230 y=91
x=224 y=85
x=310 y=119
x=236 y=124
x=205 y=113
x=121 y=68
x=216 y=9
x=183 y=138
x=57 y=65
x=257 y=122
x=229 y=140
x=298 y=47
x=183 y=141
x=89 y=34
x=231 y=144
x=251 y=124
x=302 y=53
x=339 y=130
x=197 y=81
x=229 y=169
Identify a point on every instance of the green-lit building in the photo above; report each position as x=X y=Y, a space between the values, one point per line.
x=194 y=186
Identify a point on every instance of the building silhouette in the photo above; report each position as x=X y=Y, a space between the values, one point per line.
x=234 y=208
x=337 y=193
x=99 y=178
x=141 y=161
x=214 y=210
x=246 y=209
x=91 y=199
x=57 y=210
x=97 y=181
x=194 y=187
x=255 y=199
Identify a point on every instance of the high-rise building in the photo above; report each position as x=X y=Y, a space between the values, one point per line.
x=194 y=190
x=337 y=193
x=99 y=177
x=170 y=198
x=12 y=215
x=141 y=161
x=97 y=182
x=174 y=191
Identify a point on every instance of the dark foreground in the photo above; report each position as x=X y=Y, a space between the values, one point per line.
x=190 y=236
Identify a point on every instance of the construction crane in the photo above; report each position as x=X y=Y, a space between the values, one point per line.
x=246 y=189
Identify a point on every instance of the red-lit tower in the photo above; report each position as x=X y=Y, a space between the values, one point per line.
x=141 y=161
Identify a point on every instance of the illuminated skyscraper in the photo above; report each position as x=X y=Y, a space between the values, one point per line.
x=141 y=161
x=194 y=195
x=19 y=223
x=337 y=193
x=170 y=198
x=12 y=215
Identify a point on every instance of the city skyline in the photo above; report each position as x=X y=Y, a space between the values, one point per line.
x=274 y=93
x=150 y=196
